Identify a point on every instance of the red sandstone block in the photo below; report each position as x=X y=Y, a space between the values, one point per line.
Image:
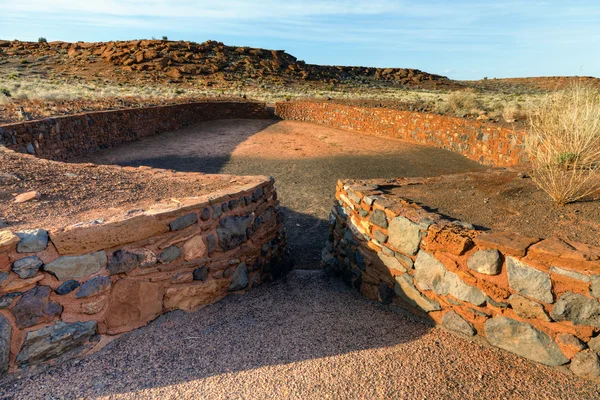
x=570 y=255
x=507 y=242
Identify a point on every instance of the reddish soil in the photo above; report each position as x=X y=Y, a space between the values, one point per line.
x=73 y=193
x=505 y=201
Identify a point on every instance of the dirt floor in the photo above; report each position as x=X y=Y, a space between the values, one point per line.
x=508 y=200
x=72 y=193
x=304 y=338
x=305 y=159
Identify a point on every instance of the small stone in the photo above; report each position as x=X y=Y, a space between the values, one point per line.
x=122 y=262
x=406 y=261
x=200 y=274
x=35 y=307
x=67 y=287
x=569 y=344
x=454 y=322
x=529 y=281
x=380 y=236
x=169 y=254
x=409 y=293
x=257 y=194
x=217 y=212
x=379 y=218
x=404 y=235
x=211 y=243
x=233 y=203
x=182 y=277
x=146 y=257
x=240 y=278
x=594 y=344
x=495 y=303
x=205 y=214
x=577 y=308
x=5 y=334
x=7 y=299
x=194 y=248
x=586 y=364
x=391 y=262
x=28 y=196
x=32 y=241
x=570 y=274
x=595 y=287
x=27 y=267
x=184 y=221
x=526 y=308
x=93 y=287
x=232 y=231
x=485 y=262
x=75 y=267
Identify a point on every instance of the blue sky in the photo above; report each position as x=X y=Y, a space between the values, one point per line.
x=463 y=39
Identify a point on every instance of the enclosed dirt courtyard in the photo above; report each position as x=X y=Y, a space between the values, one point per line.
x=305 y=159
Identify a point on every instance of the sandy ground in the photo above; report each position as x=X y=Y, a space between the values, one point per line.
x=303 y=338
x=306 y=160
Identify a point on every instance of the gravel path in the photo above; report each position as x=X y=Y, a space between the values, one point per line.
x=303 y=338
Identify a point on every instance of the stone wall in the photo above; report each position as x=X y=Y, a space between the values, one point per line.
x=64 y=138
x=484 y=142
x=536 y=298
x=66 y=291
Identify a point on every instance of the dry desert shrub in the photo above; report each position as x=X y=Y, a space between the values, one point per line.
x=564 y=143
x=463 y=102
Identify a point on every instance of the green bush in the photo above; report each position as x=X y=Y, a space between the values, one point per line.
x=42 y=40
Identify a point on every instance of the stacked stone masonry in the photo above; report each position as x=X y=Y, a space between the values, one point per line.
x=484 y=142
x=538 y=298
x=64 y=138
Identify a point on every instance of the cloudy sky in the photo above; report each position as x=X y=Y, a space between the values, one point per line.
x=463 y=39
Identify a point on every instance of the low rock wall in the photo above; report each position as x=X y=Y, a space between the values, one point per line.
x=64 y=138
x=538 y=298
x=64 y=292
x=484 y=142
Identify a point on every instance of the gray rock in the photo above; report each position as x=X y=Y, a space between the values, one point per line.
x=570 y=274
x=360 y=261
x=485 y=262
x=577 y=308
x=27 y=267
x=122 y=261
x=523 y=340
x=211 y=243
x=391 y=262
x=454 y=322
x=5 y=332
x=595 y=287
x=526 y=308
x=146 y=257
x=586 y=364
x=184 y=221
x=67 y=287
x=430 y=274
x=169 y=254
x=407 y=291
x=217 y=212
x=7 y=299
x=3 y=276
x=594 y=344
x=233 y=203
x=240 y=278
x=55 y=340
x=205 y=214
x=495 y=303
x=232 y=231
x=406 y=261
x=32 y=241
x=404 y=235
x=94 y=286
x=30 y=149
x=380 y=236
x=35 y=307
x=200 y=274
x=529 y=281
x=74 y=267
x=379 y=218
x=257 y=194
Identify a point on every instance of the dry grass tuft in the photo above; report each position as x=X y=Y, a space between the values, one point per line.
x=564 y=143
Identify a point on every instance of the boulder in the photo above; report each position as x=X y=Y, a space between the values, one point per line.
x=577 y=308
x=27 y=267
x=74 y=267
x=32 y=240
x=485 y=262
x=524 y=340
x=35 y=307
x=529 y=281
x=404 y=235
x=122 y=261
x=586 y=364
x=455 y=323
x=232 y=231
x=133 y=304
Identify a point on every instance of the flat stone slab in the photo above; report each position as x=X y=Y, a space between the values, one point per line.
x=75 y=267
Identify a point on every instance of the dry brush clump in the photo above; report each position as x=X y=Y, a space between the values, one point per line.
x=564 y=143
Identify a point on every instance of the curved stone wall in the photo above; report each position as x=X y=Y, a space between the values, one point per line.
x=536 y=298
x=486 y=143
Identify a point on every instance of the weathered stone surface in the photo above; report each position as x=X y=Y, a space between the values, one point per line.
x=586 y=364
x=507 y=242
x=594 y=344
x=55 y=340
x=379 y=218
x=169 y=254
x=523 y=340
x=240 y=278
x=454 y=322
x=570 y=274
x=35 y=307
x=205 y=214
x=200 y=274
x=526 y=308
x=5 y=332
x=430 y=274
x=232 y=231
x=408 y=292
x=74 y=267
x=7 y=238
x=485 y=262
x=7 y=299
x=391 y=262
x=146 y=257
x=577 y=308
x=529 y=281
x=183 y=222
x=194 y=248
x=133 y=304
x=93 y=287
x=27 y=196
x=406 y=261
x=122 y=261
x=182 y=277
x=27 y=267
x=569 y=344
x=380 y=236
x=32 y=240
x=404 y=235
x=67 y=287
x=192 y=296
x=595 y=286
x=211 y=243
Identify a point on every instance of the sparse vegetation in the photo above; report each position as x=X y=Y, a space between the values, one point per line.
x=42 y=40
x=165 y=38
x=564 y=143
